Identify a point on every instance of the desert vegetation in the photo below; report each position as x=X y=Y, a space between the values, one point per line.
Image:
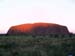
x=30 y=45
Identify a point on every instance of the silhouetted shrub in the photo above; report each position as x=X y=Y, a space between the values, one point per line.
x=56 y=35
x=8 y=45
x=71 y=34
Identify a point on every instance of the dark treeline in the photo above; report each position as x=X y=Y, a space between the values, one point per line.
x=2 y=34
x=51 y=35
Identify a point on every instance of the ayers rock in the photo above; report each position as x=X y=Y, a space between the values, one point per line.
x=38 y=29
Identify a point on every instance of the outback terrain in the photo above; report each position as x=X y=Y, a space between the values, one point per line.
x=39 y=39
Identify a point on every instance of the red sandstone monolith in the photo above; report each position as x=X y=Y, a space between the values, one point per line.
x=38 y=29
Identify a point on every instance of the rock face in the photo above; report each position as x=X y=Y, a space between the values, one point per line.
x=38 y=29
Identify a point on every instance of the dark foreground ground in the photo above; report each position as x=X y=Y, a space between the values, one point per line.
x=21 y=45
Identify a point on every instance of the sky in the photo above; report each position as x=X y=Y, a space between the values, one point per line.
x=15 y=12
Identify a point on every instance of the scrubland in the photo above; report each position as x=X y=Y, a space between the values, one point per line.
x=28 y=45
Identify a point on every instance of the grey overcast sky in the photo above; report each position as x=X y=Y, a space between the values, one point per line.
x=14 y=12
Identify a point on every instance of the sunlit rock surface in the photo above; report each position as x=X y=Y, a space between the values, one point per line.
x=38 y=29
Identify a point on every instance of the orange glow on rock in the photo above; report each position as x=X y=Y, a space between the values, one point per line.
x=38 y=28
x=28 y=27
